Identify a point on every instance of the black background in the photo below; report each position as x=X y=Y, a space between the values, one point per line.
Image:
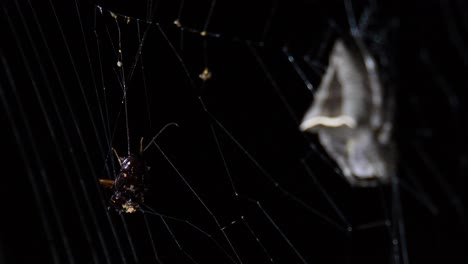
x=423 y=58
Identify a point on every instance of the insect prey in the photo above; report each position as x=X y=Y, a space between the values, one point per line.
x=351 y=114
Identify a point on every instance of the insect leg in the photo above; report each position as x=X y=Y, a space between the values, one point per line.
x=107 y=183
x=117 y=155
x=141 y=146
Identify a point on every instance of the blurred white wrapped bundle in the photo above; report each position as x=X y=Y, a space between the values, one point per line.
x=352 y=115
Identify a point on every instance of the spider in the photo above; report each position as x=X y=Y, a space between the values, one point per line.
x=129 y=185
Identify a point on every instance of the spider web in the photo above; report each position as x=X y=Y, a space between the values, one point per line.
x=236 y=181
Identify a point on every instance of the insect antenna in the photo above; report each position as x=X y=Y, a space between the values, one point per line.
x=155 y=137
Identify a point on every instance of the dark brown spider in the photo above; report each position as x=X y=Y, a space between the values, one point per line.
x=130 y=186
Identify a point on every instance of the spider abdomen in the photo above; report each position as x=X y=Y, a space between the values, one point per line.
x=129 y=185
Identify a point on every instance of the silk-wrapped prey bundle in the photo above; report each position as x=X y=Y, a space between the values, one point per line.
x=352 y=114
